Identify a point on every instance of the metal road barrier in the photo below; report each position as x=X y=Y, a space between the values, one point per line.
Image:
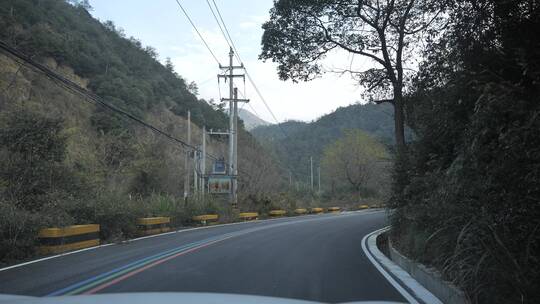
x=247 y=216
x=363 y=207
x=300 y=211
x=276 y=213
x=317 y=210
x=205 y=218
x=57 y=240
x=153 y=225
x=334 y=209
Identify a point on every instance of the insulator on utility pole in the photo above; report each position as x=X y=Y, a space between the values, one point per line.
x=233 y=125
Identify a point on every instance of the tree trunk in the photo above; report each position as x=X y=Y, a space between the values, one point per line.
x=399 y=120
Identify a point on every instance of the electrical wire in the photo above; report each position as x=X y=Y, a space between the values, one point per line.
x=89 y=96
x=230 y=42
x=220 y=28
x=237 y=55
x=197 y=30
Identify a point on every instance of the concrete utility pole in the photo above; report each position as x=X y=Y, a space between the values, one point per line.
x=232 y=131
x=196 y=156
x=290 y=179
x=311 y=170
x=319 y=173
x=203 y=161
x=233 y=125
x=186 y=160
x=235 y=148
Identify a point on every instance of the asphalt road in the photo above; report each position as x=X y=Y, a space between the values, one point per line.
x=316 y=258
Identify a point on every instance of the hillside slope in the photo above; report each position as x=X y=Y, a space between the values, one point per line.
x=295 y=142
x=66 y=160
x=251 y=121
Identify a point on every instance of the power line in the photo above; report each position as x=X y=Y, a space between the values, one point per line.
x=197 y=30
x=245 y=68
x=227 y=31
x=227 y=37
x=219 y=24
x=88 y=96
x=233 y=46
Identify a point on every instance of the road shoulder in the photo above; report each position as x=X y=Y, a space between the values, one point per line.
x=402 y=281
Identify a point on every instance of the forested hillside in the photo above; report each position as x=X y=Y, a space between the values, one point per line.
x=294 y=142
x=68 y=161
x=119 y=69
x=250 y=120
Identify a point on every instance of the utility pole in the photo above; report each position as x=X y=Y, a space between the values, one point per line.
x=195 y=157
x=186 y=160
x=311 y=170
x=203 y=161
x=235 y=148
x=290 y=179
x=319 y=173
x=233 y=125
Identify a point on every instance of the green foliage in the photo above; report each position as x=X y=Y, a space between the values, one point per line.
x=18 y=230
x=120 y=70
x=354 y=163
x=470 y=205
x=310 y=139
x=32 y=153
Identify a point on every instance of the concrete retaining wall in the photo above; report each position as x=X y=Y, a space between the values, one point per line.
x=429 y=278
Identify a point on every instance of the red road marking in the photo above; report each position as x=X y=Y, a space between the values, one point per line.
x=130 y=274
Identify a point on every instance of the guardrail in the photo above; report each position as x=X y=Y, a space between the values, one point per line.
x=248 y=216
x=153 y=225
x=317 y=210
x=334 y=209
x=57 y=240
x=300 y=211
x=205 y=218
x=361 y=207
x=277 y=213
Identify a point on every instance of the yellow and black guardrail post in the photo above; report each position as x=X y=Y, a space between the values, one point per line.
x=300 y=211
x=153 y=225
x=205 y=218
x=248 y=216
x=277 y=213
x=334 y=209
x=317 y=210
x=57 y=240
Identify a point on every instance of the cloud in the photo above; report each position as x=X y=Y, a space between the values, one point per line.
x=288 y=100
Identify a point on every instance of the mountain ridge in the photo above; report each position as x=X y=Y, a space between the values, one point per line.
x=294 y=142
x=251 y=121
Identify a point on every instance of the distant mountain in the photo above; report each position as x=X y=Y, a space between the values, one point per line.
x=293 y=142
x=251 y=121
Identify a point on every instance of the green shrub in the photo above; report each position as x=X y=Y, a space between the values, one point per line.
x=18 y=232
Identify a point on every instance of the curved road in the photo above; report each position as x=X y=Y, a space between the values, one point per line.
x=316 y=258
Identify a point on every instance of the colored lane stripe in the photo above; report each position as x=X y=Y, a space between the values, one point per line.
x=130 y=274
x=121 y=273
x=72 y=289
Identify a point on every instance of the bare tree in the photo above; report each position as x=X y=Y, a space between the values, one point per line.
x=356 y=160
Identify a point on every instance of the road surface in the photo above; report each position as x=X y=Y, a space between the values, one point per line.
x=316 y=258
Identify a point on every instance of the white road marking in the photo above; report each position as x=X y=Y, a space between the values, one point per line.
x=163 y=234
x=378 y=259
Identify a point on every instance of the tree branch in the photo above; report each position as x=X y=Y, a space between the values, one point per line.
x=383 y=101
x=345 y=47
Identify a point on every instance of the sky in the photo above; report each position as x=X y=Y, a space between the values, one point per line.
x=162 y=25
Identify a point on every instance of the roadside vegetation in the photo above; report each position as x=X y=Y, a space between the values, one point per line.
x=67 y=161
x=464 y=76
